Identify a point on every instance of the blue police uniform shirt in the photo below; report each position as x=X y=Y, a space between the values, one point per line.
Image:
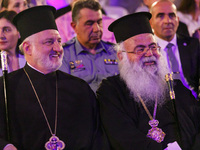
x=79 y=62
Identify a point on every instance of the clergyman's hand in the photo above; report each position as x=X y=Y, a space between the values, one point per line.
x=173 y=146
x=10 y=147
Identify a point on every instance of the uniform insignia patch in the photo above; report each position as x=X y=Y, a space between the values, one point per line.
x=111 y=61
x=76 y=66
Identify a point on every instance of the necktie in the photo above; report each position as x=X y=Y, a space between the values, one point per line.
x=173 y=61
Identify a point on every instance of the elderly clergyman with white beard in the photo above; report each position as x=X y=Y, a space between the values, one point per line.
x=135 y=106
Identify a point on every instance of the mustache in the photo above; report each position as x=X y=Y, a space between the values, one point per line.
x=95 y=35
x=168 y=25
x=56 y=53
x=148 y=59
x=98 y=33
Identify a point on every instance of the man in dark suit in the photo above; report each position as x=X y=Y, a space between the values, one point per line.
x=186 y=50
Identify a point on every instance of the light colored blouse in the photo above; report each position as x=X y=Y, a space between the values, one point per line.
x=188 y=20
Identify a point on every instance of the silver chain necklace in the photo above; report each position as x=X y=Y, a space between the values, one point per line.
x=54 y=142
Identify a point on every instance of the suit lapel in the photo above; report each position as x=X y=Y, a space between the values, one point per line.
x=184 y=47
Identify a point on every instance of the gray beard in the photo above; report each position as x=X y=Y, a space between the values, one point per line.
x=146 y=81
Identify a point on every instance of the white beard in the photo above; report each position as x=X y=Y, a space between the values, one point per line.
x=146 y=81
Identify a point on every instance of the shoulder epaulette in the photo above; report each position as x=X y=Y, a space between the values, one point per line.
x=69 y=42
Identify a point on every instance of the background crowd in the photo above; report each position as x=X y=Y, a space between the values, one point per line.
x=188 y=13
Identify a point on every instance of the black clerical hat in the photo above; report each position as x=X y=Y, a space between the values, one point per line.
x=34 y=20
x=131 y=25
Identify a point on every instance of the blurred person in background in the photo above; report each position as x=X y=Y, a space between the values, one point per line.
x=196 y=34
x=9 y=37
x=15 y=5
x=189 y=13
x=145 y=5
x=64 y=19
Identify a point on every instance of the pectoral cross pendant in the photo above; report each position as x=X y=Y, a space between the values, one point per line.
x=155 y=133
x=54 y=144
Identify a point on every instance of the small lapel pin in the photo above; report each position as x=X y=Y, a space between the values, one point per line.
x=184 y=44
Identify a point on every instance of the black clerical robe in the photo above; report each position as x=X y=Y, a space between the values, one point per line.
x=77 y=112
x=126 y=122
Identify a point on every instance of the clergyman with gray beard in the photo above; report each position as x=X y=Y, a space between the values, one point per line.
x=135 y=107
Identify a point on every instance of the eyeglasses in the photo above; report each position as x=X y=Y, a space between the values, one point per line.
x=140 y=50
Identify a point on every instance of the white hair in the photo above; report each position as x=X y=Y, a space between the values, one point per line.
x=119 y=47
x=28 y=39
x=146 y=81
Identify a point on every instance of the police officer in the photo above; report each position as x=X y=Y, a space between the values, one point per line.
x=86 y=55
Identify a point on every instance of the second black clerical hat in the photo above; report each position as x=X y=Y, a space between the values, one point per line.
x=34 y=20
x=131 y=25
